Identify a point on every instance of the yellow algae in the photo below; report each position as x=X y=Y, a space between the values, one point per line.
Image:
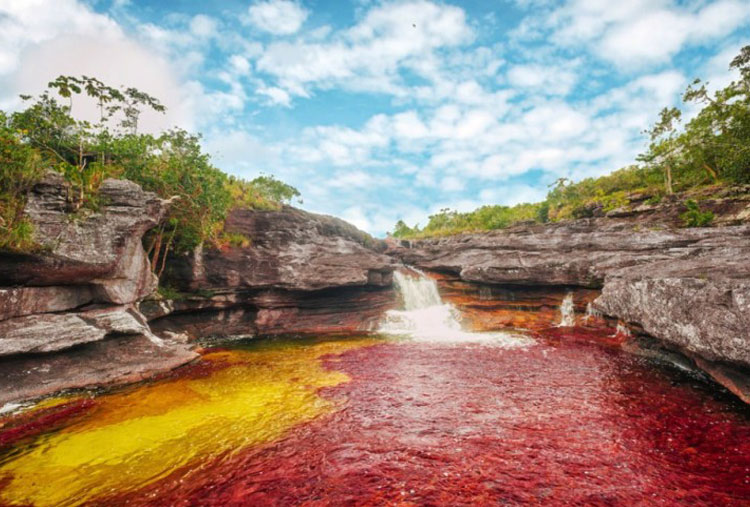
x=135 y=437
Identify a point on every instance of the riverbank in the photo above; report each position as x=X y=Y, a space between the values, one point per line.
x=84 y=311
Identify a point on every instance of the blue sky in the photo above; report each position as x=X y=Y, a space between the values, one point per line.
x=384 y=110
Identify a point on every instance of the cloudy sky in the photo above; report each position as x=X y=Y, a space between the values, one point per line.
x=384 y=110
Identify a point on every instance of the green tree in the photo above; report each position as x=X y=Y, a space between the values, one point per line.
x=664 y=149
x=275 y=190
x=401 y=230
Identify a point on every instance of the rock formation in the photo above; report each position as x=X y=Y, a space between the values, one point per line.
x=81 y=310
x=302 y=273
x=66 y=310
x=75 y=313
x=689 y=288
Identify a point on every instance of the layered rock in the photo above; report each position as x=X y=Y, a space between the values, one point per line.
x=73 y=301
x=303 y=273
x=689 y=288
x=485 y=307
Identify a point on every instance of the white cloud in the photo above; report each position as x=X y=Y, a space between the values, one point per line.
x=279 y=17
x=25 y=23
x=67 y=37
x=547 y=79
x=637 y=32
x=203 y=26
x=242 y=153
x=370 y=55
x=239 y=64
x=275 y=95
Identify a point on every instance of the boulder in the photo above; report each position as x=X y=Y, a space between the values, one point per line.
x=67 y=311
x=290 y=249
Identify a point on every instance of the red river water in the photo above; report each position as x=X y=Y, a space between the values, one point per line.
x=563 y=419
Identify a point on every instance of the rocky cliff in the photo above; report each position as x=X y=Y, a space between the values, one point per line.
x=302 y=273
x=688 y=288
x=68 y=315
x=75 y=313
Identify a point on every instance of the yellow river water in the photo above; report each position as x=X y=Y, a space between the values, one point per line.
x=136 y=436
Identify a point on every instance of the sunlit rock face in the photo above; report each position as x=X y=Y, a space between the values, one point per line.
x=67 y=313
x=686 y=287
x=98 y=251
x=302 y=273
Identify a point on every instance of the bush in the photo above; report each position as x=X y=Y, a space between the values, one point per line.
x=694 y=217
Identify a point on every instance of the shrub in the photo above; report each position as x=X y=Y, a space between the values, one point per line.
x=694 y=217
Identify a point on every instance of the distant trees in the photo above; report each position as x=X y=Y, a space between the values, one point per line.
x=712 y=148
x=46 y=135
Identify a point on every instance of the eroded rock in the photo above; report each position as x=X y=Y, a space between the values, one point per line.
x=101 y=250
x=690 y=288
x=303 y=273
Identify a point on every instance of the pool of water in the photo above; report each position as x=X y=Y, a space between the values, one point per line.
x=372 y=421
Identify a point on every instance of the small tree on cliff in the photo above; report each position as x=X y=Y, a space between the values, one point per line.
x=77 y=147
x=665 y=148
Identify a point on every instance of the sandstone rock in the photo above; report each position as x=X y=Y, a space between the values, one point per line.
x=115 y=360
x=67 y=314
x=699 y=305
x=20 y=301
x=290 y=249
x=100 y=249
x=579 y=253
x=487 y=307
x=302 y=274
x=52 y=332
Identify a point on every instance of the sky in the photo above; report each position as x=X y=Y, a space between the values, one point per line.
x=379 y=111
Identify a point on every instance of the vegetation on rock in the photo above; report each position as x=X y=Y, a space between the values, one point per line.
x=694 y=217
x=712 y=149
x=46 y=135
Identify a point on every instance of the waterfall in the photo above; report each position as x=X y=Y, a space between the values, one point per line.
x=592 y=313
x=425 y=317
x=622 y=330
x=567 y=312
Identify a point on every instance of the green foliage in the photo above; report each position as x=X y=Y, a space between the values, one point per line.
x=170 y=293
x=694 y=217
x=172 y=164
x=613 y=201
x=235 y=239
x=274 y=190
x=542 y=214
x=21 y=168
x=404 y=231
x=447 y=222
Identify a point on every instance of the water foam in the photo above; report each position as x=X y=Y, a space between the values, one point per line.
x=426 y=318
x=567 y=312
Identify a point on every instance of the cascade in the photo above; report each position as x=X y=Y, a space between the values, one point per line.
x=622 y=330
x=592 y=313
x=425 y=317
x=567 y=312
